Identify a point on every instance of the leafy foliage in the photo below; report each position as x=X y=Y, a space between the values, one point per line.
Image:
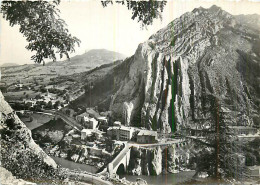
x=144 y=11
x=42 y=26
x=46 y=32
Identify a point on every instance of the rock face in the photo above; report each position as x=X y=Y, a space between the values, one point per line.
x=19 y=153
x=145 y=161
x=165 y=85
x=154 y=161
x=8 y=178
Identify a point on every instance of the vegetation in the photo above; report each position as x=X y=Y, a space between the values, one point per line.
x=46 y=32
x=42 y=26
x=18 y=158
x=221 y=154
x=144 y=11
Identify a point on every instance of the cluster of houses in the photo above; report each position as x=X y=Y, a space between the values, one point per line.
x=92 y=122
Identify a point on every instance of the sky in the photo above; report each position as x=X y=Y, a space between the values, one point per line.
x=109 y=28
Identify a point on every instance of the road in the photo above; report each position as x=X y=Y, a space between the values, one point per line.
x=155 y=144
x=88 y=177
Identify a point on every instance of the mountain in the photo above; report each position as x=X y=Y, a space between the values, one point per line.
x=92 y=58
x=172 y=79
x=9 y=65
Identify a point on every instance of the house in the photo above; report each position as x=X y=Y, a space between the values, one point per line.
x=75 y=136
x=254 y=171
x=125 y=133
x=86 y=133
x=93 y=123
x=112 y=132
x=102 y=120
x=31 y=102
x=122 y=133
x=117 y=123
x=92 y=113
x=239 y=130
x=147 y=136
x=83 y=118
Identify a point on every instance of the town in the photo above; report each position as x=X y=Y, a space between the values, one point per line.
x=90 y=137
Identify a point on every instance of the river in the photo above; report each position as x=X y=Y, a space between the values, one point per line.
x=74 y=166
x=170 y=178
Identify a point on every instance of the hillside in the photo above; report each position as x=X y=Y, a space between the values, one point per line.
x=19 y=153
x=91 y=59
x=29 y=73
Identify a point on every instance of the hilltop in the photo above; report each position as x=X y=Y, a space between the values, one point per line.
x=9 y=65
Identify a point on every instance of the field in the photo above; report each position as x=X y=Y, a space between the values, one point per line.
x=35 y=120
x=20 y=95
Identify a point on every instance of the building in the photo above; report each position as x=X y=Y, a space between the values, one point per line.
x=83 y=118
x=86 y=133
x=93 y=123
x=147 y=136
x=92 y=113
x=254 y=171
x=117 y=123
x=239 y=130
x=112 y=132
x=121 y=133
x=102 y=120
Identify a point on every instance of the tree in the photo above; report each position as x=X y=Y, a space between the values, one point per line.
x=144 y=11
x=56 y=105
x=42 y=26
x=38 y=96
x=46 y=32
x=49 y=105
x=221 y=153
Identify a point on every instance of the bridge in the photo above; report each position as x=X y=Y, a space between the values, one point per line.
x=68 y=120
x=121 y=161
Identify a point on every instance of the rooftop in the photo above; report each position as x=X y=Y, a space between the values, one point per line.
x=92 y=112
x=83 y=114
x=92 y=119
x=147 y=133
x=88 y=131
x=102 y=118
x=117 y=122
x=121 y=128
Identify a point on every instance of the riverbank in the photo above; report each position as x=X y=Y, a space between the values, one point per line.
x=64 y=163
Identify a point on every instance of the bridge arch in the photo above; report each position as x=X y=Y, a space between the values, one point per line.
x=120 y=163
x=121 y=169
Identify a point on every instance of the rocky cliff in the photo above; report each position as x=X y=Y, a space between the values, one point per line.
x=19 y=153
x=145 y=161
x=167 y=84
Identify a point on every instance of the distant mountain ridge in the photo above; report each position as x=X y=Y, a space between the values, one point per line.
x=77 y=64
x=92 y=58
x=9 y=65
